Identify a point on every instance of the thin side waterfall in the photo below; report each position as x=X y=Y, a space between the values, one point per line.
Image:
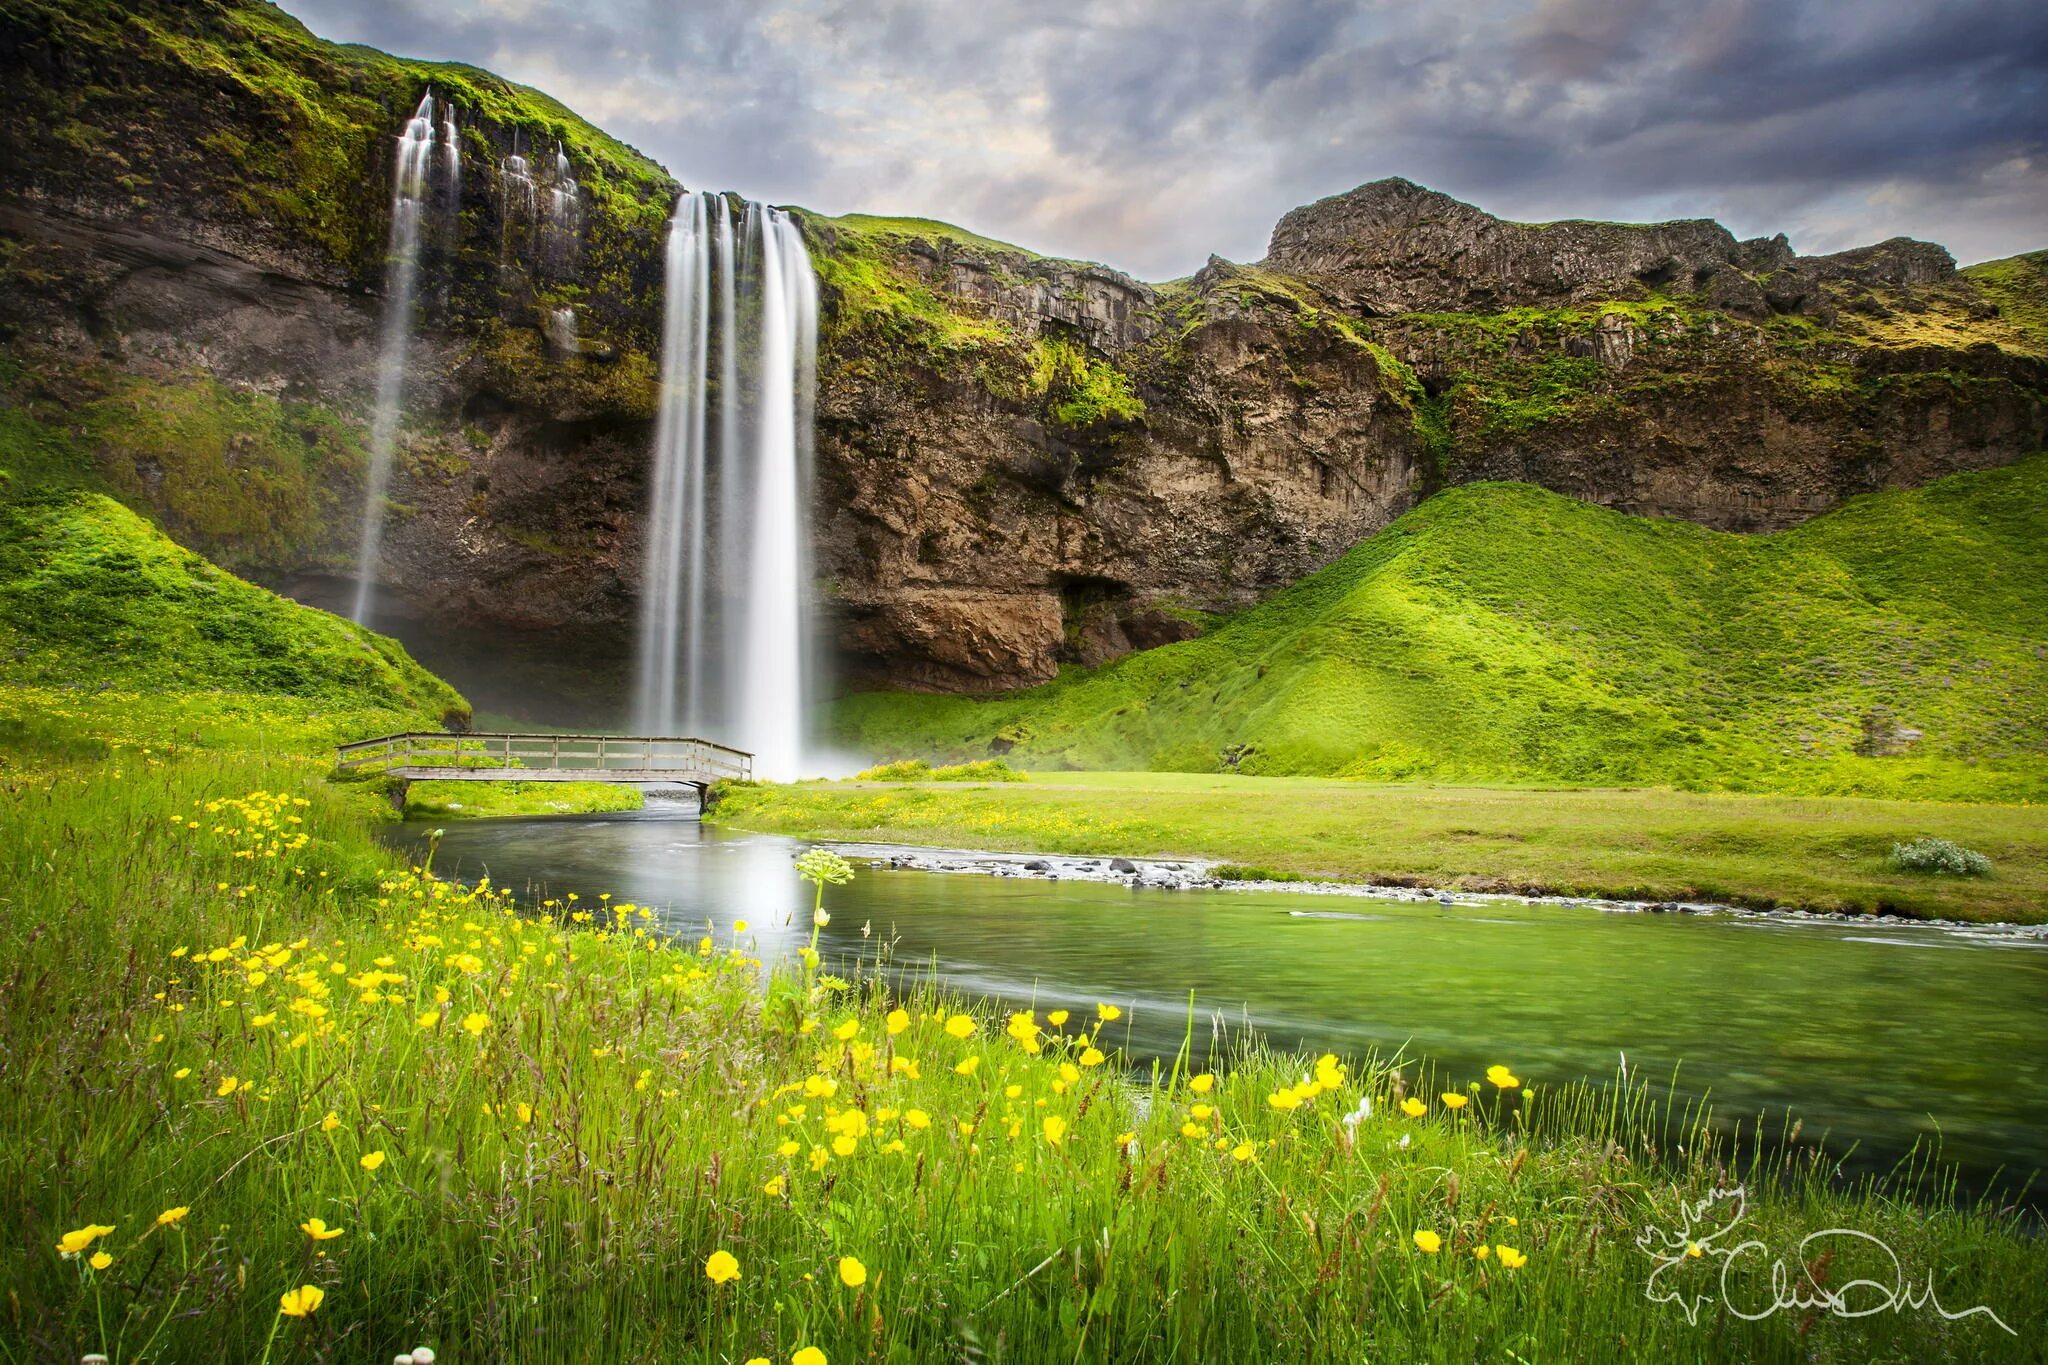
x=410 y=183
x=723 y=617
x=451 y=158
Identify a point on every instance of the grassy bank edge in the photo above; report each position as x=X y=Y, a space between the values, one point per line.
x=1816 y=854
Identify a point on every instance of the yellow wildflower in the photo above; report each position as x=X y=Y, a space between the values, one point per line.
x=1413 y=1107
x=226 y=1087
x=181 y=1073
x=1284 y=1099
x=100 y=1260
x=898 y=1021
x=960 y=1026
x=1091 y=1057
x=844 y=1033
x=1055 y=1129
x=852 y=1273
x=773 y=1189
x=371 y=1160
x=77 y=1240
x=300 y=1302
x=331 y=1122
x=1509 y=1257
x=317 y=1229
x=809 y=1355
x=475 y=1024
x=1203 y=1083
x=1244 y=1151
x=721 y=1267
x=1109 y=1012
x=917 y=1118
x=1452 y=1099
x=1502 y=1078
x=429 y=1019
x=173 y=1215
x=967 y=1066
x=1428 y=1241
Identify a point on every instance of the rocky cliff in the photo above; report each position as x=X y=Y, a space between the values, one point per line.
x=1022 y=461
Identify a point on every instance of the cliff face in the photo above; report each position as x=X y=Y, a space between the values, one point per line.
x=1021 y=461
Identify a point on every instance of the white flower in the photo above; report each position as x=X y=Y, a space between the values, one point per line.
x=1360 y=1114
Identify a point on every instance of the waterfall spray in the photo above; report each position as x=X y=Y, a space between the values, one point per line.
x=723 y=615
x=410 y=178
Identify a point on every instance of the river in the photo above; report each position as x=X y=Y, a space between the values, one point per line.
x=1874 y=1035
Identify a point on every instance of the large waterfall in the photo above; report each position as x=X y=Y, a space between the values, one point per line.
x=723 y=627
x=411 y=175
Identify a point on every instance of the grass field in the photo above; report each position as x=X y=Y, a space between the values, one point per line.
x=247 y=1057
x=1823 y=853
x=1500 y=634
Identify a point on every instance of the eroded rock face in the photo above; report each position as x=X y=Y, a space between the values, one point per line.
x=1393 y=246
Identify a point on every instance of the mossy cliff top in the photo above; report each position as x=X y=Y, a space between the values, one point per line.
x=227 y=121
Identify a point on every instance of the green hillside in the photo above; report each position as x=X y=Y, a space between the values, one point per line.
x=104 y=622
x=1501 y=633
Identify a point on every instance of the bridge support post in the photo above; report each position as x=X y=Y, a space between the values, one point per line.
x=399 y=787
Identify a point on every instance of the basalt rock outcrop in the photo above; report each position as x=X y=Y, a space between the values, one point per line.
x=1021 y=462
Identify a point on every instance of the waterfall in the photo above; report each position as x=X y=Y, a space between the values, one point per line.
x=724 y=617
x=410 y=183
x=451 y=159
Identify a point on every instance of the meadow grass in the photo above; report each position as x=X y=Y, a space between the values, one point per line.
x=1817 y=853
x=478 y=800
x=536 y=1127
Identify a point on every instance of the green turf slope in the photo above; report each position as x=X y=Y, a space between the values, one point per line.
x=93 y=597
x=1501 y=633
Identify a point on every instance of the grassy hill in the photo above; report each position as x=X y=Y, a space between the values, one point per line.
x=1501 y=633
x=93 y=595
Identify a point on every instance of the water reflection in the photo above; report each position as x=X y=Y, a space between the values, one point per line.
x=1880 y=1036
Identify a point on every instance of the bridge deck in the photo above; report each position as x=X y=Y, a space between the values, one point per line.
x=651 y=760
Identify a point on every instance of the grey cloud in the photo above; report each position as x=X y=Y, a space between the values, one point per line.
x=1149 y=133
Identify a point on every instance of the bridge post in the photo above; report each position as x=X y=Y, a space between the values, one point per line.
x=400 y=785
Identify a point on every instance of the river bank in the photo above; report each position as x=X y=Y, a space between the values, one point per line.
x=1195 y=875
x=1825 y=855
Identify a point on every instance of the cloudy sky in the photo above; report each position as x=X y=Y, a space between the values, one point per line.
x=1149 y=133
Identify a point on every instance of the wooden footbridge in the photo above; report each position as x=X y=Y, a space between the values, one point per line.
x=635 y=760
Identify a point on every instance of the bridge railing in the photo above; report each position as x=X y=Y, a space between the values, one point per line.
x=622 y=754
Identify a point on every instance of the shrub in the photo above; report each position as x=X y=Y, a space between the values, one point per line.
x=917 y=770
x=1940 y=855
x=905 y=770
x=1241 y=872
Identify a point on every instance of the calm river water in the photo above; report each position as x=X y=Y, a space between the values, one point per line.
x=1876 y=1035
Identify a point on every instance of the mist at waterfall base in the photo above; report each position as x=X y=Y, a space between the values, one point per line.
x=726 y=631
